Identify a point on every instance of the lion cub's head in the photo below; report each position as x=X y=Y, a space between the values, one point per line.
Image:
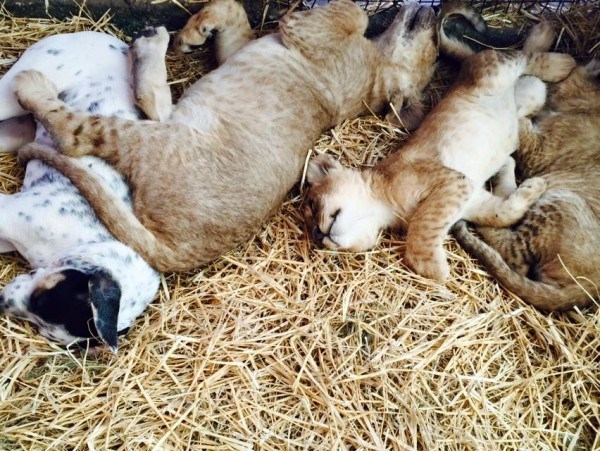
x=579 y=92
x=341 y=210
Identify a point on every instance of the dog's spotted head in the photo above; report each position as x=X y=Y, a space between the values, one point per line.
x=341 y=210
x=67 y=305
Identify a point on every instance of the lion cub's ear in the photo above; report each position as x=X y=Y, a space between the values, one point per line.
x=319 y=167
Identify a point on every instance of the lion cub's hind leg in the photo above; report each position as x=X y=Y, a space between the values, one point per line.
x=504 y=183
x=494 y=72
x=152 y=93
x=487 y=209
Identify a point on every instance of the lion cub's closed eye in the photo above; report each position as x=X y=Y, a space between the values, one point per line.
x=341 y=211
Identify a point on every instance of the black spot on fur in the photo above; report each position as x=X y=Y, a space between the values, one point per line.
x=25 y=216
x=68 y=95
x=60 y=66
x=94 y=106
x=54 y=52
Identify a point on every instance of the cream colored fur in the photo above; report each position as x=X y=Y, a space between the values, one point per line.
x=438 y=176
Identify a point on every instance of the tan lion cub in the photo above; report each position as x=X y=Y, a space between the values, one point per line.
x=438 y=176
x=550 y=258
x=236 y=142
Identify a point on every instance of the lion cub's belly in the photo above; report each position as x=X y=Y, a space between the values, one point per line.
x=484 y=143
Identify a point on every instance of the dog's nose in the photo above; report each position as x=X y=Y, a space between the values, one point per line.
x=319 y=235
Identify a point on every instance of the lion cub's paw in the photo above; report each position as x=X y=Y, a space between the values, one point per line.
x=531 y=190
x=430 y=265
x=559 y=66
x=32 y=87
x=540 y=38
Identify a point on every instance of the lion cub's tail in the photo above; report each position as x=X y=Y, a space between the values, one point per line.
x=463 y=32
x=110 y=209
x=541 y=295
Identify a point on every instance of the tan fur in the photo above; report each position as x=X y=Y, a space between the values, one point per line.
x=438 y=176
x=226 y=19
x=236 y=142
x=550 y=258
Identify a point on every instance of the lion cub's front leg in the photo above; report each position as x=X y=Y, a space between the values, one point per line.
x=226 y=20
x=39 y=95
x=431 y=222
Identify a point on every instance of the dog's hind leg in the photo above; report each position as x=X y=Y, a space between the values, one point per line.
x=16 y=132
x=5 y=245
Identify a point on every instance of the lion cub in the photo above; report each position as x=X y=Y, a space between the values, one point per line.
x=438 y=177
x=550 y=258
x=236 y=141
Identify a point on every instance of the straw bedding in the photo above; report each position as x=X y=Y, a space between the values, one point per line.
x=280 y=345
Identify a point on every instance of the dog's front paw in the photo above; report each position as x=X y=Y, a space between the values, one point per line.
x=429 y=264
x=151 y=40
x=32 y=88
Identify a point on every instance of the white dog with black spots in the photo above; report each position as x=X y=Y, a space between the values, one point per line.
x=85 y=285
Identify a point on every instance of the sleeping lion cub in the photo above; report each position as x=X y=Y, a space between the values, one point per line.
x=236 y=142
x=550 y=258
x=438 y=177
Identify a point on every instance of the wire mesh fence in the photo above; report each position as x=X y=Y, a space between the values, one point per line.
x=543 y=5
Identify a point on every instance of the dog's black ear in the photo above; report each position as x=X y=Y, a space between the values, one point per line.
x=61 y=298
x=105 y=297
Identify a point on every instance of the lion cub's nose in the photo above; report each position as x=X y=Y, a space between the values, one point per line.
x=319 y=235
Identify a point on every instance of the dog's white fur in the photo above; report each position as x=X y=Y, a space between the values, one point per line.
x=48 y=221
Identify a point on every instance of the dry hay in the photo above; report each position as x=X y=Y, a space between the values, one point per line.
x=280 y=345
